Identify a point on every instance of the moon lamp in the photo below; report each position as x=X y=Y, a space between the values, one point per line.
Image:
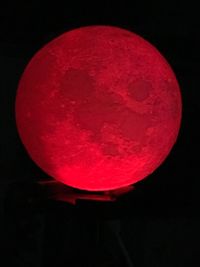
x=98 y=108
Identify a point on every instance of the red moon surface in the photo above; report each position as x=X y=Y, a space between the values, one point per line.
x=98 y=108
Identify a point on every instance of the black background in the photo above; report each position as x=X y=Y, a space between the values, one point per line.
x=159 y=221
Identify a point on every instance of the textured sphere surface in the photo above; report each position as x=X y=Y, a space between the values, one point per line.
x=98 y=108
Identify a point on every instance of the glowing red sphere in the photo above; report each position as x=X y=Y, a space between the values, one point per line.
x=98 y=108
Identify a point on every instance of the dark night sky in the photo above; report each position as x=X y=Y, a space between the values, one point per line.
x=160 y=219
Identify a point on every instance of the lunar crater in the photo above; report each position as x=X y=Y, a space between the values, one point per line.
x=139 y=90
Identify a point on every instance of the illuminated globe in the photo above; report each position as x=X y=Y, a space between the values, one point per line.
x=98 y=108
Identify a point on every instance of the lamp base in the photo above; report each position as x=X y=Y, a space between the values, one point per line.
x=61 y=192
